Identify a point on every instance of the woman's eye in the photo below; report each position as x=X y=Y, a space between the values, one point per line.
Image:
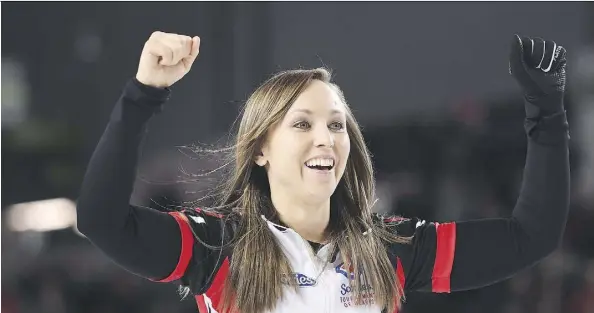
x=301 y=125
x=337 y=126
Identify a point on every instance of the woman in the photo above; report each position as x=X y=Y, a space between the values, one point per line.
x=294 y=229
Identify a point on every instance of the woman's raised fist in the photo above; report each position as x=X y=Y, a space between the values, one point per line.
x=166 y=58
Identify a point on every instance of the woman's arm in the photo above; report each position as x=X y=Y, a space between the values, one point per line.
x=150 y=243
x=472 y=254
x=126 y=233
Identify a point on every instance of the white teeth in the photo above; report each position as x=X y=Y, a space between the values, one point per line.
x=320 y=162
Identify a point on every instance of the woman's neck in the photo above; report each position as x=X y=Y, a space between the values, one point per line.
x=308 y=219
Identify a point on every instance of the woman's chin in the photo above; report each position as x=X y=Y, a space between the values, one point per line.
x=319 y=193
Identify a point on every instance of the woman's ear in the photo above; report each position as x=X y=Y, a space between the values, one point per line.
x=260 y=159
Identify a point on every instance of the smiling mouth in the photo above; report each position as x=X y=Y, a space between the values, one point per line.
x=320 y=167
x=321 y=164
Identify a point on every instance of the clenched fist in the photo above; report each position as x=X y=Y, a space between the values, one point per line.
x=166 y=58
x=539 y=67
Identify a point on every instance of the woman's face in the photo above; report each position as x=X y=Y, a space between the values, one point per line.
x=307 y=151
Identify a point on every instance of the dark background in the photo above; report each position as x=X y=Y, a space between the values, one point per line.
x=427 y=80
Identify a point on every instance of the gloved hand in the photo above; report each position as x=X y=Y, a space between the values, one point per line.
x=539 y=67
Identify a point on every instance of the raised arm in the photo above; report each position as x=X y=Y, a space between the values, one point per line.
x=465 y=255
x=146 y=242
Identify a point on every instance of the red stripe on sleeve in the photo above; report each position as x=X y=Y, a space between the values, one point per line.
x=400 y=273
x=201 y=304
x=444 y=256
x=401 y=278
x=215 y=292
x=212 y=298
x=186 y=248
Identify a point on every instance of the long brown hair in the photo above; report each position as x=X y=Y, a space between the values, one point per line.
x=258 y=266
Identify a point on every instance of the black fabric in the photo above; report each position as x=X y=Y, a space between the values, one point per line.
x=144 y=241
x=213 y=232
x=316 y=246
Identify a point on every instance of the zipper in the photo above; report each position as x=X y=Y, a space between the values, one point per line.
x=313 y=257
x=319 y=270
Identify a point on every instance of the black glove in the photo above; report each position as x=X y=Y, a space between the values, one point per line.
x=539 y=67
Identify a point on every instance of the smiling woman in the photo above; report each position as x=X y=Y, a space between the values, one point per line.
x=305 y=153
x=294 y=229
x=294 y=118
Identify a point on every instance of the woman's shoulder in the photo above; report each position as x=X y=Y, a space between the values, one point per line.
x=400 y=225
x=205 y=213
x=210 y=223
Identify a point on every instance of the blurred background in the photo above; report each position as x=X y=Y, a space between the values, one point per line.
x=428 y=81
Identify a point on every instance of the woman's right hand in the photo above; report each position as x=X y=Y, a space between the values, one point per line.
x=166 y=58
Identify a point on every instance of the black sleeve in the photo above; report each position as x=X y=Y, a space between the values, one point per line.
x=209 y=267
x=152 y=244
x=472 y=254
